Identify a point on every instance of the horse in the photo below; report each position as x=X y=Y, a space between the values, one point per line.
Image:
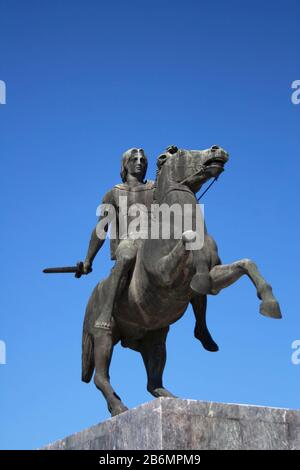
x=160 y=286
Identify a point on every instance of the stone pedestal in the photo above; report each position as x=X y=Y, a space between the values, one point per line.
x=174 y=424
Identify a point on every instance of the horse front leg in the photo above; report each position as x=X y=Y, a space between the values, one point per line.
x=224 y=275
x=170 y=266
x=103 y=349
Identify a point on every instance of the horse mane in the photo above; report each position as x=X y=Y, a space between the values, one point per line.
x=161 y=160
x=163 y=157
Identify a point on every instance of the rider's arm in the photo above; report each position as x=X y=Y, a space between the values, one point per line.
x=94 y=246
x=96 y=242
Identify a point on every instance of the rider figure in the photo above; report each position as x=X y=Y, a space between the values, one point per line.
x=137 y=191
x=124 y=249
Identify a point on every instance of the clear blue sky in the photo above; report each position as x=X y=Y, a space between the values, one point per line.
x=85 y=81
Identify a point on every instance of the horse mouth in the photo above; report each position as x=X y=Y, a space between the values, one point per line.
x=216 y=162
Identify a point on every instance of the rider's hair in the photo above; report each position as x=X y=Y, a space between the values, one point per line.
x=126 y=156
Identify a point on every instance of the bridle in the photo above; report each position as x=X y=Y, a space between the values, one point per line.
x=199 y=172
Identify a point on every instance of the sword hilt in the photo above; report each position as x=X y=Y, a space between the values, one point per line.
x=79 y=270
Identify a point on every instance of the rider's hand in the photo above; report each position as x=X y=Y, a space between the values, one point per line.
x=87 y=267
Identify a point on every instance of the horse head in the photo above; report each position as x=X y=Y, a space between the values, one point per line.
x=191 y=168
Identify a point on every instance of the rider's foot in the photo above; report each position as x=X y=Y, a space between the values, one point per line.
x=102 y=325
x=204 y=336
x=104 y=318
x=201 y=283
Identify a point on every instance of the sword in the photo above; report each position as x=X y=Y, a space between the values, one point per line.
x=78 y=270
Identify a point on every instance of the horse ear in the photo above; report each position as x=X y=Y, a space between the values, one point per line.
x=161 y=160
x=172 y=149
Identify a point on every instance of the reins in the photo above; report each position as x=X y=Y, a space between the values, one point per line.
x=198 y=172
x=208 y=187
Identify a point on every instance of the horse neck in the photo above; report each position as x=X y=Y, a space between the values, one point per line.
x=182 y=203
x=165 y=188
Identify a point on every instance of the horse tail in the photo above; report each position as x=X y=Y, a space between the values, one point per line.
x=88 y=361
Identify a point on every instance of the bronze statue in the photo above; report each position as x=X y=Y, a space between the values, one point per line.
x=155 y=279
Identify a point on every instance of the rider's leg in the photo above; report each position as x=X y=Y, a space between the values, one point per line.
x=126 y=255
x=201 y=331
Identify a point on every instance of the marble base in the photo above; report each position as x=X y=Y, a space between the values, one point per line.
x=175 y=424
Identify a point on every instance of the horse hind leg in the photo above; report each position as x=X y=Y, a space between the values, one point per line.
x=153 y=350
x=103 y=349
x=201 y=332
x=224 y=275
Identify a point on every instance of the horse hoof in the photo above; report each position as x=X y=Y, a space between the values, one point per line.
x=117 y=410
x=206 y=340
x=162 y=392
x=270 y=308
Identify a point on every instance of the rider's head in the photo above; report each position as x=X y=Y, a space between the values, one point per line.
x=134 y=162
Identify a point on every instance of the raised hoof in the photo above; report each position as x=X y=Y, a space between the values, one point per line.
x=206 y=340
x=201 y=283
x=270 y=308
x=118 y=409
